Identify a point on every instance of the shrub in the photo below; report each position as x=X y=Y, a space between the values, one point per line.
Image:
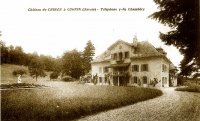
x=67 y=79
x=19 y=71
x=153 y=82
x=54 y=75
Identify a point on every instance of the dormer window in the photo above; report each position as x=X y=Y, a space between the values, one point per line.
x=120 y=55
x=126 y=54
x=105 y=69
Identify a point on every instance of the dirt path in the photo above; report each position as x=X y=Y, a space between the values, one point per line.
x=172 y=106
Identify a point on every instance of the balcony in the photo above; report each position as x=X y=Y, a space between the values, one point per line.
x=120 y=61
x=120 y=73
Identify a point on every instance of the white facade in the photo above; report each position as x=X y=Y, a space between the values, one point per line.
x=132 y=64
x=155 y=72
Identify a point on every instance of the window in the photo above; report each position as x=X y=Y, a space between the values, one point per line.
x=164 y=68
x=165 y=80
x=135 y=79
x=144 y=80
x=135 y=68
x=100 y=79
x=144 y=67
x=120 y=55
x=106 y=80
x=126 y=54
x=105 y=69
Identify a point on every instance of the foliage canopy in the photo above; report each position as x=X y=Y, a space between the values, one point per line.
x=182 y=16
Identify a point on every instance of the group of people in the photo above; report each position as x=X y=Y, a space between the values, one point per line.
x=89 y=79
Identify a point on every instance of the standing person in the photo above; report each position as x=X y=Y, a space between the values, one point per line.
x=19 y=79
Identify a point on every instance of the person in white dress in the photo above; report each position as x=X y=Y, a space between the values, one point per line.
x=19 y=79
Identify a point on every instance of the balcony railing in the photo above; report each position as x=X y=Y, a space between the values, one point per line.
x=120 y=73
x=120 y=61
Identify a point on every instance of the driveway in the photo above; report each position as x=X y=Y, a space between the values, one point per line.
x=171 y=106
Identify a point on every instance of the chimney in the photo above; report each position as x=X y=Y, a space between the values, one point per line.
x=135 y=41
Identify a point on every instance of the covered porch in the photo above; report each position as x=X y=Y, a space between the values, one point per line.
x=120 y=74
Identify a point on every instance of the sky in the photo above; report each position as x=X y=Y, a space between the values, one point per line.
x=54 y=32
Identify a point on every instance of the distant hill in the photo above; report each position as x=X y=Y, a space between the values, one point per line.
x=7 y=76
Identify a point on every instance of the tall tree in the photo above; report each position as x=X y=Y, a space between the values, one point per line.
x=72 y=64
x=19 y=55
x=183 y=18
x=4 y=52
x=48 y=62
x=36 y=69
x=88 y=54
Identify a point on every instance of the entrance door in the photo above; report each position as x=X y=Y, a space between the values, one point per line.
x=115 y=81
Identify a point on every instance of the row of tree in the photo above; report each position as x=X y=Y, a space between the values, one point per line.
x=73 y=63
x=16 y=55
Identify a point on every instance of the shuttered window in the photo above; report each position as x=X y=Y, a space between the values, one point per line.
x=126 y=54
x=144 y=67
x=135 y=79
x=135 y=68
x=144 y=79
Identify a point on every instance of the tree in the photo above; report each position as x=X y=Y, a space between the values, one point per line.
x=88 y=54
x=72 y=64
x=49 y=62
x=54 y=75
x=4 y=52
x=182 y=16
x=19 y=72
x=19 y=55
x=36 y=69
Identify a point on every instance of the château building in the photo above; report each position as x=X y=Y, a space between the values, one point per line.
x=133 y=64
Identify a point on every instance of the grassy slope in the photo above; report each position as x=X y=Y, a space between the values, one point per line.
x=69 y=101
x=7 y=77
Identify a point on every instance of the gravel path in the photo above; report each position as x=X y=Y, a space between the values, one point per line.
x=172 y=106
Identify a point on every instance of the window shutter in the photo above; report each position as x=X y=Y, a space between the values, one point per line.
x=147 y=67
x=142 y=67
x=135 y=68
x=132 y=68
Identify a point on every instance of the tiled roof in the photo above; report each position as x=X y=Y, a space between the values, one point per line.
x=143 y=49
x=172 y=67
x=146 y=49
x=103 y=57
x=117 y=42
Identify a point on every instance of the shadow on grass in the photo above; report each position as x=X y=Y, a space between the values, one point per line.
x=20 y=85
x=189 y=89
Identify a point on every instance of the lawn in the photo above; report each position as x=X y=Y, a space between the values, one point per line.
x=194 y=88
x=69 y=101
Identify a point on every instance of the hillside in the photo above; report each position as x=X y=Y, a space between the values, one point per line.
x=7 y=77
